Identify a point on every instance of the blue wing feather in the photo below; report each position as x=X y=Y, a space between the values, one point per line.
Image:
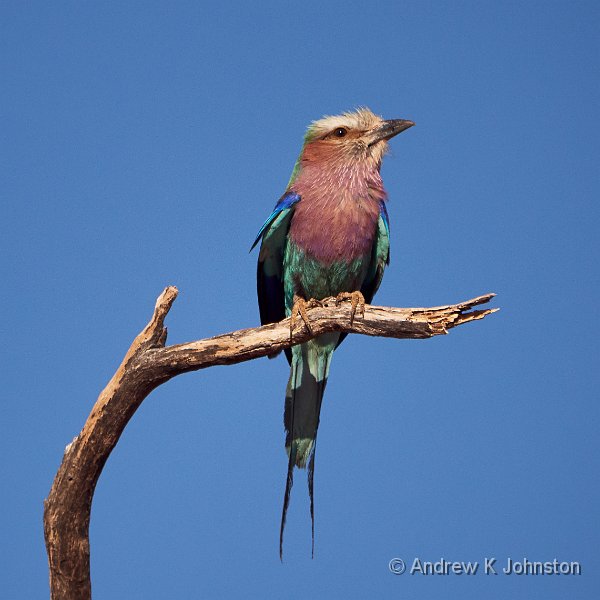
x=269 y=272
x=380 y=256
x=383 y=213
x=285 y=202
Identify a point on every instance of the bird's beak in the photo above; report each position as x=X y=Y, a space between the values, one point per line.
x=388 y=130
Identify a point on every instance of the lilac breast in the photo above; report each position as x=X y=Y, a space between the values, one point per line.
x=336 y=217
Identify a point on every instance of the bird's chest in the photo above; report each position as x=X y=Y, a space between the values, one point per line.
x=330 y=230
x=329 y=248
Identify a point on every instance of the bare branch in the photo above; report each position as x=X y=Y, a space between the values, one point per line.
x=148 y=363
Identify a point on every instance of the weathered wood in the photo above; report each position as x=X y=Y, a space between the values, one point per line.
x=148 y=363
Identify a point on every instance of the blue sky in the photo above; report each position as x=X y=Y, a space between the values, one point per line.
x=145 y=144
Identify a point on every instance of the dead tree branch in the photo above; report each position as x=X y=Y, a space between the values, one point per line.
x=148 y=364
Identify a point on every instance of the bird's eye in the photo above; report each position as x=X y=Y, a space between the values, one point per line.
x=340 y=132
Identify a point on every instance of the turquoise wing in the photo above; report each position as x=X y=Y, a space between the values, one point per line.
x=380 y=256
x=269 y=273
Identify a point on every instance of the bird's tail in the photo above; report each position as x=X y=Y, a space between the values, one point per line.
x=304 y=394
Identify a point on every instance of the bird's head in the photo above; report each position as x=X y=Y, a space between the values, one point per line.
x=359 y=136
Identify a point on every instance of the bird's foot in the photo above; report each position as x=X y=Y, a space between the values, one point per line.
x=299 y=309
x=357 y=300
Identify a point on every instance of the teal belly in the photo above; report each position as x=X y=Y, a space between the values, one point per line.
x=309 y=278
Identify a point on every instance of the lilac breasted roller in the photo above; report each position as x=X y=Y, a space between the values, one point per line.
x=327 y=236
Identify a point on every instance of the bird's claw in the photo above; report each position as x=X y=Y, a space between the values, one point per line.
x=299 y=309
x=357 y=300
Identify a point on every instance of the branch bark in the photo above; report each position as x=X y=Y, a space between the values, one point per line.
x=148 y=364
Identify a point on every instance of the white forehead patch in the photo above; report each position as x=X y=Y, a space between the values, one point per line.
x=362 y=119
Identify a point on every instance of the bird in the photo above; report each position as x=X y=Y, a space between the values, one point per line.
x=328 y=236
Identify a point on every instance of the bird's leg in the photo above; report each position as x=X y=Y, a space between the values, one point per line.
x=357 y=299
x=299 y=309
